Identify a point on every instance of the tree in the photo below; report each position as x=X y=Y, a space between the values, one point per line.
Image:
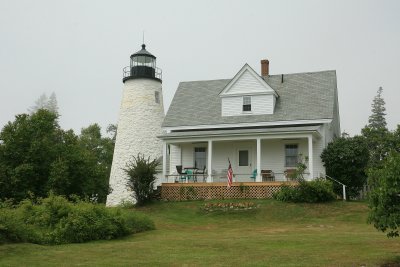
x=37 y=156
x=377 y=118
x=43 y=102
x=112 y=130
x=384 y=198
x=98 y=153
x=29 y=146
x=51 y=104
x=346 y=159
x=141 y=176
x=376 y=131
x=40 y=103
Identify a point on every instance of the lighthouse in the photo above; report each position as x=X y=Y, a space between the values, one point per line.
x=139 y=124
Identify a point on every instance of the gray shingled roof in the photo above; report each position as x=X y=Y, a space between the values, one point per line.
x=302 y=96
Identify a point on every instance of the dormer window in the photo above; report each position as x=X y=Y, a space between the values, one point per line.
x=247 y=103
x=247 y=94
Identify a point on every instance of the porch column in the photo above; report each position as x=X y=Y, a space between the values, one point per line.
x=310 y=157
x=164 y=162
x=209 y=166
x=258 y=177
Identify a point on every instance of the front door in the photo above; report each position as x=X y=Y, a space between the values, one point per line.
x=244 y=162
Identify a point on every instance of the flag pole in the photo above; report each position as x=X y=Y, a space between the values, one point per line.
x=229 y=174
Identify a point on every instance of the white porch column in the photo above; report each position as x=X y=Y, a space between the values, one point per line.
x=310 y=157
x=164 y=162
x=209 y=164
x=258 y=177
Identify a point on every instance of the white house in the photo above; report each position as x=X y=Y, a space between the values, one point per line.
x=261 y=123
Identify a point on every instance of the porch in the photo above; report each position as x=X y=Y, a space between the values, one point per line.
x=256 y=155
x=202 y=191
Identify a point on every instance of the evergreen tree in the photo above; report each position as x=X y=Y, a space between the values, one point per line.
x=377 y=118
x=51 y=104
x=44 y=102
x=40 y=103
x=376 y=132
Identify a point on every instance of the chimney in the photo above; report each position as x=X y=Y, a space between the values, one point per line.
x=264 y=67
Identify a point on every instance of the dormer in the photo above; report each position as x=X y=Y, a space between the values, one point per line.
x=247 y=94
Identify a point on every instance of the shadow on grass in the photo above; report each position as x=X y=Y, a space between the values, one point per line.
x=392 y=263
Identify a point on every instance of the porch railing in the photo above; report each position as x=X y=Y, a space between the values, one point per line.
x=221 y=176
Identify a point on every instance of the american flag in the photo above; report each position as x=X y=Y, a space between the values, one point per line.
x=230 y=174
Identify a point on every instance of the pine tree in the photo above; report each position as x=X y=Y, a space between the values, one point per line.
x=40 y=103
x=44 y=102
x=52 y=103
x=377 y=118
x=376 y=132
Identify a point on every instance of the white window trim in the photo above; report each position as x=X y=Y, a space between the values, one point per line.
x=244 y=103
x=284 y=147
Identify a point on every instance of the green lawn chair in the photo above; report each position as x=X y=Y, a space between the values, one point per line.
x=254 y=175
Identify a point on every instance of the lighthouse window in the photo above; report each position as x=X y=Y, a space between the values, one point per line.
x=157 y=97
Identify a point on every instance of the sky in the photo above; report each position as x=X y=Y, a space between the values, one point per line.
x=77 y=50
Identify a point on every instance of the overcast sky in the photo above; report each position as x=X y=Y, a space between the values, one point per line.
x=77 y=49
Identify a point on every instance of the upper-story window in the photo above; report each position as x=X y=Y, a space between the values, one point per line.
x=247 y=103
x=157 y=97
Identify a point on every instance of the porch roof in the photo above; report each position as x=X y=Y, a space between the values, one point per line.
x=241 y=132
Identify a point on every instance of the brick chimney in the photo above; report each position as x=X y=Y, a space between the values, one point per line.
x=264 y=67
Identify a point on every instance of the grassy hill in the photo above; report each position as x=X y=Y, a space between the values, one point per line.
x=275 y=234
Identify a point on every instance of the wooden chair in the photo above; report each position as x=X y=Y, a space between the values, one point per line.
x=289 y=174
x=267 y=175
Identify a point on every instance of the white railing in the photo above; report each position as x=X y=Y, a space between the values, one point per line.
x=343 y=185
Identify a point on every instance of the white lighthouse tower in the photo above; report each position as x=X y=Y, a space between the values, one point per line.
x=139 y=124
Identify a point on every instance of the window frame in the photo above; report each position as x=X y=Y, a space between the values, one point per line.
x=246 y=105
x=157 y=97
x=194 y=156
x=248 y=157
x=296 y=161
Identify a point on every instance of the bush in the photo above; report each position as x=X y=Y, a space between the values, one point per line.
x=141 y=177
x=318 y=190
x=384 y=198
x=346 y=159
x=55 y=220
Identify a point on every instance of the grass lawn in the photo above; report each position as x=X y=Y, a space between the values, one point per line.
x=276 y=234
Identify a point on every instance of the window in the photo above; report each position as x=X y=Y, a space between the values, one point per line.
x=243 y=158
x=157 y=97
x=291 y=155
x=200 y=157
x=247 y=103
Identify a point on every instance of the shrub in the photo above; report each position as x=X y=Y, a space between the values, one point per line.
x=346 y=159
x=141 y=173
x=318 y=190
x=55 y=221
x=384 y=198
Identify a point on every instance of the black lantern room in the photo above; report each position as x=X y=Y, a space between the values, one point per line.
x=142 y=65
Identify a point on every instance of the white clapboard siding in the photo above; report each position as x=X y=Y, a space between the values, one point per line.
x=247 y=84
x=175 y=158
x=318 y=147
x=187 y=155
x=260 y=104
